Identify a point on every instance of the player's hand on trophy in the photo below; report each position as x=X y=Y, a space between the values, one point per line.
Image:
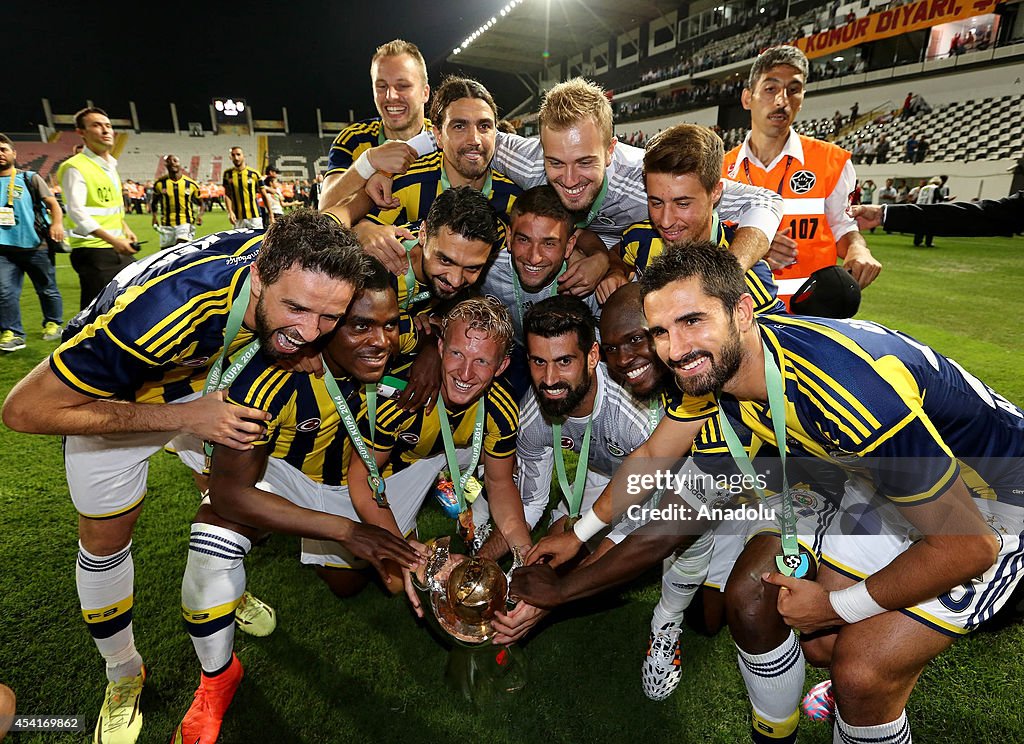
x=384 y=242
x=537 y=585
x=378 y=188
x=213 y=419
x=424 y=381
x=555 y=549
x=377 y=545
x=514 y=625
x=803 y=604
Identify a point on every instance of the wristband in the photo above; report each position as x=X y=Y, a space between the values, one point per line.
x=855 y=603
x=588 y=526
x=363 y=165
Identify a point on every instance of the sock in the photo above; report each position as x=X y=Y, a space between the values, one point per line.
x=681 y=577
x=896 y=732
x=105 y=586
x=775 y=682
x=210 y=590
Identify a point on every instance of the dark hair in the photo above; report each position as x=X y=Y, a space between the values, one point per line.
x=313 y=242
x=720 y=273
x=82 y=113
x=542 y=201
x=686 y=149
x=452 y=89
x=466 y=212
x=559 y=315
x=6 y=140
x=377 y=278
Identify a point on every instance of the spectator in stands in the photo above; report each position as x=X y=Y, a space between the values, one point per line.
x=882 y=149
x=100 y=239
x=922 y=149
x=906 y=105
x=870 y=148
x=837 y=121
x=989 y=217
x=854 y=112
x=911 y=147
x=858 y=151
x=24 y=250
x=954 y=45
x=173 y=205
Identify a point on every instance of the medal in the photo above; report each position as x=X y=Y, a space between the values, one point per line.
x=472 y=489
x=377 y=485
x=444 y=492
x=466 y=526
x=570 y=522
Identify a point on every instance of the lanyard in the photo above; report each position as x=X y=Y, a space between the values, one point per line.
x=486 y=189
x=10 y=188
x=574 y=494
x=518 y=288
x=653 y=419
x=596 y=206
x=791 y=562
x=218 y=378
x=374 y=479
x=782 y=181
x=410 y=280
x=459 y=478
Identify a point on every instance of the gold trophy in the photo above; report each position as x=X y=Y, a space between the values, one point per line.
x=463 y=594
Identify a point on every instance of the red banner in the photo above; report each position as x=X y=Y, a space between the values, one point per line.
x=892 y=22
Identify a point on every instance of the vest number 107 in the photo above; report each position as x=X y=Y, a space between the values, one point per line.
x=803 y=228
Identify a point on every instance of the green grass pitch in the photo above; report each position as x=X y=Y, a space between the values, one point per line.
x=365 y=670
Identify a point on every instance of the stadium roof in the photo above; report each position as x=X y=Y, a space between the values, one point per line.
x=517 y=41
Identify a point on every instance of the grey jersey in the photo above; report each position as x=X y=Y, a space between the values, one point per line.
x=620 y=424
x=522 y=160
x=499 y=283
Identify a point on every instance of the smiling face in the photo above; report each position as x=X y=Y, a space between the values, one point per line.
x=450 y=262
x=680 y=208
x=694 y=336
x=575 y=160
x=466 y=136
x=562 y=373
x=399 y=92
x=629 y=353
x=98 y=133
x=470 y=360
x=173 y=165
x=775 y=100
x=539 y=245
x=368 y=337
x=297 y=309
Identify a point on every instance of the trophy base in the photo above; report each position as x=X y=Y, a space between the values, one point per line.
x=485 y=673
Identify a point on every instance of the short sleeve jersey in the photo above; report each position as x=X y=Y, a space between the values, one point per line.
x=353 y=141
x=177 y=200
x=242 y=186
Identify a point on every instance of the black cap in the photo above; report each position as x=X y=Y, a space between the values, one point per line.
x=831 y=292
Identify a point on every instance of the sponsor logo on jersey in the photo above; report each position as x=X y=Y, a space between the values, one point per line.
x=409 y=438
x=308 y=425
x=802 y=181
x=567 y=443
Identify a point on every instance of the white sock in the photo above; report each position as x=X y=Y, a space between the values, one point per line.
x=105 y=593
x=775 y=680
x=682 y=575
x=896 y=732
x=213 y=583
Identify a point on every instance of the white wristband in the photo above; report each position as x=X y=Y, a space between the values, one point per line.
x=855 y=603
x=363 y=165
x=588 y=525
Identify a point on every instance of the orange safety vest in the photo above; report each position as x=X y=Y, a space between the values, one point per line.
x=804 y=188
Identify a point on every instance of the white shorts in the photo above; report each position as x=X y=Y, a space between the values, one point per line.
x=870 y=532
x=172 y=234
x=251 y=223
x=814 y=515
x=106 y=473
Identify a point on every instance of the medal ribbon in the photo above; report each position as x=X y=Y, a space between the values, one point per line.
x=374 y=479
x=790 y=558
x=595 y=208
x=218 y=378
x=573 y=494
x=459 y=478
x=486 y=189
x=410 y=280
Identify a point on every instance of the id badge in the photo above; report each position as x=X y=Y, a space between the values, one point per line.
x=7 y=218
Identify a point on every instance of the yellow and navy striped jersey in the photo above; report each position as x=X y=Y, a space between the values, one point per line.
x=875 y=401
x=417 y=188
x=242 y=185
x=641 y=244
x=152 y=334
x=412 y=435
x=354 y=140
x=177 y=200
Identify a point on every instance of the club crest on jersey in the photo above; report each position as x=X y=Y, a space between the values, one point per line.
x=197 y=362
x=409 y=438
x=802 y=181
x=567 y=443
x=614 y=449
x=308 y=425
